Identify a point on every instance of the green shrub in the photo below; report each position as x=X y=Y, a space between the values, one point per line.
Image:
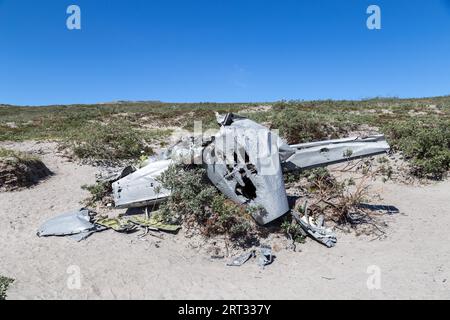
x=98 y=191
x=191 y=195
x=195 y=202
x=298 y=126
x=4 y=285
x=293 y=230
x=108 y=142
x=229 y=218
x=426 y=145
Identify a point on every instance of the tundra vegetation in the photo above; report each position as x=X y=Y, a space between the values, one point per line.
x=5 y=282
x=199 y=206
x=417 y=129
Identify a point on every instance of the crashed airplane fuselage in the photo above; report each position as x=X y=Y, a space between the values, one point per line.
x=245 y=161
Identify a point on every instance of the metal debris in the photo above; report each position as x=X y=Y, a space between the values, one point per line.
x=86 y=234
x=324 y=153
x=141 y=188
x=80 y=224
x=315 y=229
x=117 y=224
x=246 y=162
x=240 y=260
x=243 y=162
x=77 y=223
x=153 y=223
x=265 y=256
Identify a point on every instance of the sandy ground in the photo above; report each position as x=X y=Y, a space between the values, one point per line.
x=413 y=260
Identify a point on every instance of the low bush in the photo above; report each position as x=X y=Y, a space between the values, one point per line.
x=197 y=204
x=4 y=285
x=98 y=191
x=298 y=126
x=426 y=145
x=112 y=141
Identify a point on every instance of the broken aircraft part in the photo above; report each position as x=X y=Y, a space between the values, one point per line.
x=324 y=153
x=70 y=223
x=243 y=162
x=316 y=229
x=247 y=158
x=240 y=260
x=86 y=234
x=141 y=188
x=117 y=224
x=154 y=223
x=265 y=256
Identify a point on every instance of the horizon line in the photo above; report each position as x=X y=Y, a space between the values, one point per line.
x=124 y=102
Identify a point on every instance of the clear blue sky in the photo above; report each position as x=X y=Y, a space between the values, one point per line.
x=221 y=50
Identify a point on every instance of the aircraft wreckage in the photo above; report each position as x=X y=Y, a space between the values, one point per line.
x=245 y=161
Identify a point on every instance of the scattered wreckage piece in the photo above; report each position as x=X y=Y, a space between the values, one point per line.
x=86 y=234
x=315 y=229
x=77 y=224
x=154 y=223
x=141 y=188
x=81 y=224
x=264 y=255
x=117 y=224
x=126 y=224
x=240 y=260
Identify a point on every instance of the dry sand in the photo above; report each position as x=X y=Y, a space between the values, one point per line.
x=414 y=258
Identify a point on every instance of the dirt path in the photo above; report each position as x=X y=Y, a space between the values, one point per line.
x=414 y=259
